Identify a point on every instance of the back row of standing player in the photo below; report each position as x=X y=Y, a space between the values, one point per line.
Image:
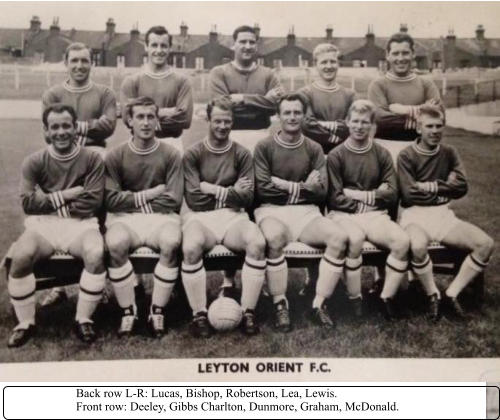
x=365 y=186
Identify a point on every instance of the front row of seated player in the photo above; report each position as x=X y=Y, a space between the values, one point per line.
x=143 y=181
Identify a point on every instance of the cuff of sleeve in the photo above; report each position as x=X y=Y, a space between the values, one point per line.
x=146 y=208
x=63 y=211
x=220 y=197
x=140 y=199
x=371 y=198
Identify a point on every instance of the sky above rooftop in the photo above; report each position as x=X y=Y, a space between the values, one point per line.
x=424 y=19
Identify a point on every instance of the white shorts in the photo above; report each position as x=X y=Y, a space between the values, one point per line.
x=363 y=220
x=145 y=226
x=294 y=217
x=394 y=147
x=216 y=221
x=249 y=138
x=436 y=221
x=58 y=231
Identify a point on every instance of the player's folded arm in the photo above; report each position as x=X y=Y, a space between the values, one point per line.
x=266 y=190
x=455 y=185
x=336 y=199
x=411 y=195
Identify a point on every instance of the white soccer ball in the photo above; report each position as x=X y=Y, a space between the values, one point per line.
x=224 y=314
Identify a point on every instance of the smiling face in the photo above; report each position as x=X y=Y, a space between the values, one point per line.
x=327 y=65
x=245 y=47
x=78 y=65
x=291 y=114
x=61 y=131
x=157 y=49
x=360 y=125
x=220 y=124
x=143 y=121
x=400 y=57
x=430 y=130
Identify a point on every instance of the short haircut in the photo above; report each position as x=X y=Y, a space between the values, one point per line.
x=76 y=46
x=400 y=37
x=324 y=48
x=363 y=106
x=290 y=98
x=223 y=103
x=58 y=109
x=244 y=28
x=140 y=101
x=158 y=30
x=433 y=111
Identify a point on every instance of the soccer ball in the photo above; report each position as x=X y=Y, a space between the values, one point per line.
x=224 y=314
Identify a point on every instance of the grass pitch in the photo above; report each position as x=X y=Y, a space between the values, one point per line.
x=372 y=337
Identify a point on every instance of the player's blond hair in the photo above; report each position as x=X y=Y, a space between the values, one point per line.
x=433 y=111
x=324 y=48
x=362 y=106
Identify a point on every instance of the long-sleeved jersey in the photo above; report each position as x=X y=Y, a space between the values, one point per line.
x=168 y=90
x=441 y=169
x=221 y=167
x=45 y=174
x=130 y=171
x=411 y=90
x=95 y=107
x=293 y=163
x=253 y=84
x=326 y=104
x=369 y=169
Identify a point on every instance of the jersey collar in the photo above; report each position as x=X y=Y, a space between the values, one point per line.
x=240 y=69
x=79 y=89
x=215 y=150
x=351 y=146
x=64 y=158
x=138 y=151
x=324 y=88
x=161 y=75
x=395 y=78
x=422 y=151
x=286 y=145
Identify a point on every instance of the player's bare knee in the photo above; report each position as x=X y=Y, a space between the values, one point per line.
x=400 y=245
x=118 y=244
x=276 y=241
x=192 y=252
x=169 y=245
x=484 y=247
x=93 y=255
x=256 y=247
x=23 y=258
x=356 y=239
x=337 y=242
x=418 y=247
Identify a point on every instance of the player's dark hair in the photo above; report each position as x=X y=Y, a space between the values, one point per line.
x=223 y=103
x=76 y=46
x=158 y=30
x=290 y=98
x=400 y=37
x=244 y=28
x=140 y=101
x=433 y=111
x=58 y=109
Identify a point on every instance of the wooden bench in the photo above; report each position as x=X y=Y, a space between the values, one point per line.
x=62 y=269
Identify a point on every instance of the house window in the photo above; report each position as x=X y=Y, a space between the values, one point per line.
x=120 y=61
x=199 y=63
x=277 y=64
x=96 y=58
x=260 y=61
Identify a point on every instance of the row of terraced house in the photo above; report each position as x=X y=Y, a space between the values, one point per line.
x=111 y=48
